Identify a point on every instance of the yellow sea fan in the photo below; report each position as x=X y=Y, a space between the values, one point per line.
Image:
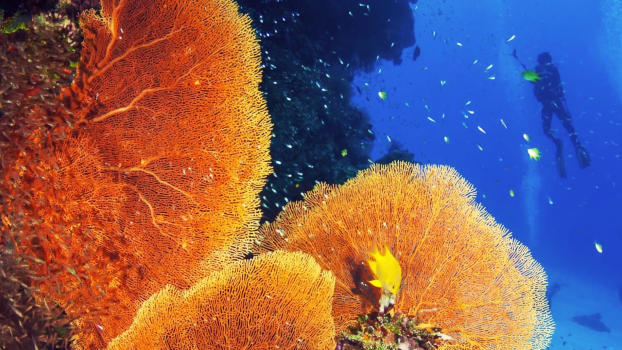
x=462 y=271
x=276 y=300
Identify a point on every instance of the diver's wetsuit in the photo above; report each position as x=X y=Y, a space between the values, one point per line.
x=550 y=93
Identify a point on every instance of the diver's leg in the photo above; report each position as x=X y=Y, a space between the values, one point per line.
x=547 y=117
x=564 y=116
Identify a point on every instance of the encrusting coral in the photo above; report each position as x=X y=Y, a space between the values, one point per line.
x=463 y=275
x=151 y=161
x=279 y=300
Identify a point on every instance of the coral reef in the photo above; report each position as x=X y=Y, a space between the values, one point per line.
x=278 y=300
x=143 y=169
x=11 y=8
x=134 y=196
x=27 y=323
x=310 y=60
x=35 y=62
x=387 y=332
x=461 y=270
x=74 y=7
x=357 y=33
x=312 y=127
x=308 y=101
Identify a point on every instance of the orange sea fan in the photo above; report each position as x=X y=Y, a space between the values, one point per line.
x=278 y=300
x=153 y=162
x=462 y=272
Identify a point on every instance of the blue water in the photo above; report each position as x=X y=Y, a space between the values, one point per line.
x=559 y=219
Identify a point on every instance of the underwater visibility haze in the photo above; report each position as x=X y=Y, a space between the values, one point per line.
x=310 y=174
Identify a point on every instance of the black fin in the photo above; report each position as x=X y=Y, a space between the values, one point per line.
x=561 y=167
x=583 y=157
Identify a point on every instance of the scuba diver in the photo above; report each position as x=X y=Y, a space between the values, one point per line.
x=550 y=93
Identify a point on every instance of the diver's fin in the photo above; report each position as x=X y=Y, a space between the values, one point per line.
x=561 y=167
x=583 y=157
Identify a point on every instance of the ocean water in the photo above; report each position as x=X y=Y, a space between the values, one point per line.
x=465 y=78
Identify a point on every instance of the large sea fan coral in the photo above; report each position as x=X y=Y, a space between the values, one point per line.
x=462 y=272
x=152 y=162
x=278 y=300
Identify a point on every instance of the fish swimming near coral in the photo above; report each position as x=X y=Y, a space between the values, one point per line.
x=592 y=322
x=388 y=273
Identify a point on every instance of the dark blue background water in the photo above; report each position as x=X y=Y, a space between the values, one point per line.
x=559 y=219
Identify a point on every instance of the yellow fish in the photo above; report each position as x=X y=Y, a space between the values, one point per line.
x=531 y=76
x=382 y=95
x=344 y=152
x=388 y=274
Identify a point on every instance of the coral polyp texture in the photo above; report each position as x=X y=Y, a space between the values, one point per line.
x=279 y=300
x=464 y=276
x=149 y=165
